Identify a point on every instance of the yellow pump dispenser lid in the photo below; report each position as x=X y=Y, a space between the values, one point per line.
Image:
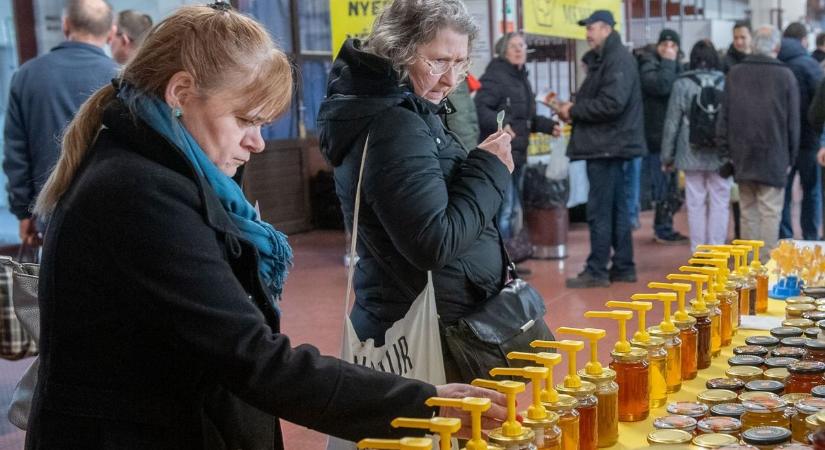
x=399 y=444
x=665 y=297
x=593 y=367
x=475 y=406
x=681 y=290
x=740 y=257
x=699 y=279
x=537 y=375
x=511 y=430
x=572 y=379
x=641 y=309
x=756 y=245
x=620 y=316
x=721 y=276
x=548 y=360
x=444 y=426
x=711 y=273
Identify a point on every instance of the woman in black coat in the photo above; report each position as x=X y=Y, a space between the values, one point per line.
x=427 y=202
x=505 y=86
x=159 y=286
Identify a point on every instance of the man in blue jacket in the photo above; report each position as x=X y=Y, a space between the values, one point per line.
x=44 y=96
x=608 y=129
x=808 y=74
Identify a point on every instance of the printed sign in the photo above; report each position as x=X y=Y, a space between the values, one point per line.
x=560 y=17
x=352 y=19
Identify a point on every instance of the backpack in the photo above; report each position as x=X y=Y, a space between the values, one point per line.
x=704 y=109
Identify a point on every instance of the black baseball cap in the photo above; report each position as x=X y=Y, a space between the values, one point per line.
x=600 y=15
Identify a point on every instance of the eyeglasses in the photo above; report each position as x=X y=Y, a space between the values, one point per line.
x=438 y=68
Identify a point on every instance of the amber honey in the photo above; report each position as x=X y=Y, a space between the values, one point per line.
x=804 y=376
x=673 y=365
x=762 y=290
x=715 y=329
x=547 y=432
x=565 y=407
x=607 y=393
x=804 y=409
x=657 y=378
x=703 y=339
x=726 y=324
x=688 y=335
x=762 y=412
x=632 y=374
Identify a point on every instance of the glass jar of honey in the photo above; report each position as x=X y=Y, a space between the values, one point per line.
x=814 y=316
x=565 y=407
x=713 y=397
x=804 y=408
x=796 y=353
x=761 y=412
x=688 y=334
x=703 y=338
x=546 y=431
x=731 y=384
x=675 y=422
x=755 y=350
x=588 y=413
x=714 y=440
x=779 y=361
x=715 y=315
x=768 y=342
x=733 y=293
x=777 y=374
x=744 y=373
x=669 y=437
x=720 y=424
x=800 y=300
x=632 y=373
x=746 y=360
x=815 y=350
x=796 y=311
x=657 y=358
x=673 y=366
x=734 y=410
x=726 y=326
x=812 y=332
x=607 y=393
x=767 y=437
x=784 y=332
x=798 y=342
x=774 y=387
x=804 y=376
x=757 y=395
x=793 y=398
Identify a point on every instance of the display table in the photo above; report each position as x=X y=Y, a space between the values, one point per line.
x=633 y=435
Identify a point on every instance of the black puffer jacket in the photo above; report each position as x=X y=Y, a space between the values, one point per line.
x=808 y=75
x=607 y=115
x=732 y=58
x=658 y=76
x=427 y=204
x=505 y=86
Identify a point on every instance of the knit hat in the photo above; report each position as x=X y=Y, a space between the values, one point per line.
x=668 y=35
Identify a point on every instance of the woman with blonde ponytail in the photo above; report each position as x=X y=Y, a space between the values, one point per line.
x=160 y=286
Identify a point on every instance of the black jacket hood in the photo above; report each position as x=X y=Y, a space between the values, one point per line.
x=360 y=87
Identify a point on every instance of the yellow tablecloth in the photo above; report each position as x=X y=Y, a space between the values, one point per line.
x=633 y=435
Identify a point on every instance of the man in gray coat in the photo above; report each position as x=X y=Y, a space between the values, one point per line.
x=759 y=129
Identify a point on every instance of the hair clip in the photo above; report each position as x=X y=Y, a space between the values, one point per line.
x=220 y=5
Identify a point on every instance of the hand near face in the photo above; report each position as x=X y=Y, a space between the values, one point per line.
x=491 y=418
x=499 y=144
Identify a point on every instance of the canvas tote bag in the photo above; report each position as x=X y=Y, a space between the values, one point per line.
x=412 y=345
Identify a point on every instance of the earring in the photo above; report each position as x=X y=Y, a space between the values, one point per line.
x=178 y=113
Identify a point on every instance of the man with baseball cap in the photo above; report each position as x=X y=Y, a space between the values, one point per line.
x=607 y=131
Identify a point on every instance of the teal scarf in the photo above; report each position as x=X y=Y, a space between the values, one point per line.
x=273 y=249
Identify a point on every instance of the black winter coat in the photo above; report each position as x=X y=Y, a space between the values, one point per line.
x=808 y=75
x=427 y=203
x=505 y=86
x=658 y=76
x=607 y=115
x=760 y=133
x=157 y=331
x=732 y=58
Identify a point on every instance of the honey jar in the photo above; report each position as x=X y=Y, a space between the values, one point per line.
x=768 y=342
x=669 y=437
x=761 y=412
x=783 y=332
x=796 y=311
x=798 y=342
x=745 y=360
x=730 y=384
x=695 y=410
x=797 y=353
x=777 y=374
x=744 y=373
x=713 y=397
x=675 y=422
x=804 y=376
x=720 y=424
x=774 y=387
x=765 y=438
x=755 y=350
x=779 y=361
x=800 y=322
x=714 y=440
x=734 y=410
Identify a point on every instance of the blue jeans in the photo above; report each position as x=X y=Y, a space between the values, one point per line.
x=632 y=180
x=608 y=219
x=510 y=210
x=664 y=193
x=811 y=214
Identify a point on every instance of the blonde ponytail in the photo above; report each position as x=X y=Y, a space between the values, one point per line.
x=77 y=140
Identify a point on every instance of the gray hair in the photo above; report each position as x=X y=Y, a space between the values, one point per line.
x=405 y=24
x=94 y=17
x=766 y=40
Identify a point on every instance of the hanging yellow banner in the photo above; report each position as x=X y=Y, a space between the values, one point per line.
x=560 y=17
x=352 y=19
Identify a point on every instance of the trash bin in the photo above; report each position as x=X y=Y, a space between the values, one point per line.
x=545 y=212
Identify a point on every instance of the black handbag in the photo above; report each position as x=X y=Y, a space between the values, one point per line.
x=506 y=322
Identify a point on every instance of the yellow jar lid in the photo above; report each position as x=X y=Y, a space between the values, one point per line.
x=584 y=390
x=687 y=323
x=669 y=437
x=799 y=300
x=634 y=355
x=658 y=332
x=563 y=403
x=819 y=302
x=745 y=373
x=820 y=417
x=653 y=343
x=714 y=440
x=755 y=395
x=777 y=374
x=794 y=397
x=716 y=396
x=798 y=322
x=796 y=310
x=551 y=420
x=812 y=423
x=605 y=376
